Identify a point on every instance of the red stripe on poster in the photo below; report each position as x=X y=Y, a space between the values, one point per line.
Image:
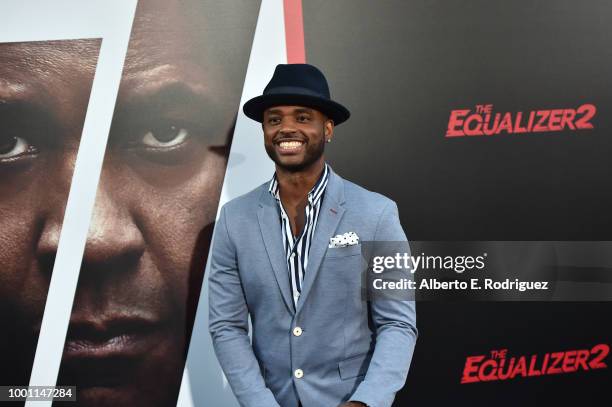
x=294 y=31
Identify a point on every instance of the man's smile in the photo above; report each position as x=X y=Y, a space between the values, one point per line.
x=289 y=146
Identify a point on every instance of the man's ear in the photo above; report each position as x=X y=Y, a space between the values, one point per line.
x=329 y=128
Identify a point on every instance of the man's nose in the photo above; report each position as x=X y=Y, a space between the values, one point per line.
x=287 y=127
x=48 y=242
x=54 y=186
x=114 y=240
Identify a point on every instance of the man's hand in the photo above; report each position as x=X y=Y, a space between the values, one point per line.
x=353 y=404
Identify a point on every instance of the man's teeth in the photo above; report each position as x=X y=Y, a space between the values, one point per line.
x=290 y=144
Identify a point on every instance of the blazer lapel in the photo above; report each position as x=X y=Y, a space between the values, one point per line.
x=332 y=210
x=268 y=217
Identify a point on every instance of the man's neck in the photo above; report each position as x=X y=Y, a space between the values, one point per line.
x=295 y=186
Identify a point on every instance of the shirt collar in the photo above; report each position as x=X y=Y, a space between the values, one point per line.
x=315 y=193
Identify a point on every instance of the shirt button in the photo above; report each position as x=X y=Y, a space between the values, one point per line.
x=297 y=331
x=298 y=373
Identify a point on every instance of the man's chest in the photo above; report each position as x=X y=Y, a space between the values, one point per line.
x=294 y=216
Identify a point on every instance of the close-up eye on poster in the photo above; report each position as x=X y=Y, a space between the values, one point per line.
x=305 y=203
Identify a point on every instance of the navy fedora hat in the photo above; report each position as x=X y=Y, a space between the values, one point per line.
x=299 y=85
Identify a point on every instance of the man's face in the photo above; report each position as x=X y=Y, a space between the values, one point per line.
x=295 y=136
x=44 y=90
x=154 y=211
x=155 y=208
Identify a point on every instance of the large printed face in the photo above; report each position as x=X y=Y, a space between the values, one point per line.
x=154 y=211
x=44 y=90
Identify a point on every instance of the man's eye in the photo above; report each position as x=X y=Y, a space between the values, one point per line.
x=13 y=147
x=303 y=118
x=165 y=137
x=274 y=120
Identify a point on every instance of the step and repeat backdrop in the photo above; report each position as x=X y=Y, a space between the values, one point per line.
x=486 y=121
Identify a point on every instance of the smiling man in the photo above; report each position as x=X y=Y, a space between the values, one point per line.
x=288 y=255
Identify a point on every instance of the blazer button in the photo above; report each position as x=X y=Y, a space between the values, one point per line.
x=297 y=331
x=298 y=373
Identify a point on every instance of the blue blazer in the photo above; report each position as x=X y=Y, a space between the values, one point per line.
x=346 y=348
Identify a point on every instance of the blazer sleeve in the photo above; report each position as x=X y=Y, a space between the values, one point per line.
x=228 y=323
x=396 y=332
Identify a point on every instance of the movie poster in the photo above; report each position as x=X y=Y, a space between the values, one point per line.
x=44 y=90
x=487 y=122
x=157 y=197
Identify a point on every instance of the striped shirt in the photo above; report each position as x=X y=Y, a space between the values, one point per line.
x=297 y=248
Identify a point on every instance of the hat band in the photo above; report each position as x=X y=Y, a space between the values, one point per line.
x=293 y=90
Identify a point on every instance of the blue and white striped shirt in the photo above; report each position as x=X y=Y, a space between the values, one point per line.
x=297 y=249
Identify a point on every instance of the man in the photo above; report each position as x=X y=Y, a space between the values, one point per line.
x=287 y=254
x=155 y=206
x=154 y=213
x=44 y=88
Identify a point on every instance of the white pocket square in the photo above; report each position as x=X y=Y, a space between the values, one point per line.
x=346 y=239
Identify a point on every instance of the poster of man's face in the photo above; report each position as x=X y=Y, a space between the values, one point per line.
x=44 y=90
x=156 y=201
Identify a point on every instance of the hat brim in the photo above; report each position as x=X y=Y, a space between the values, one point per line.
x=255 y=107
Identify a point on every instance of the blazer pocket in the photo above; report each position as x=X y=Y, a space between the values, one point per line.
x=344 y=251
x=354 y=366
